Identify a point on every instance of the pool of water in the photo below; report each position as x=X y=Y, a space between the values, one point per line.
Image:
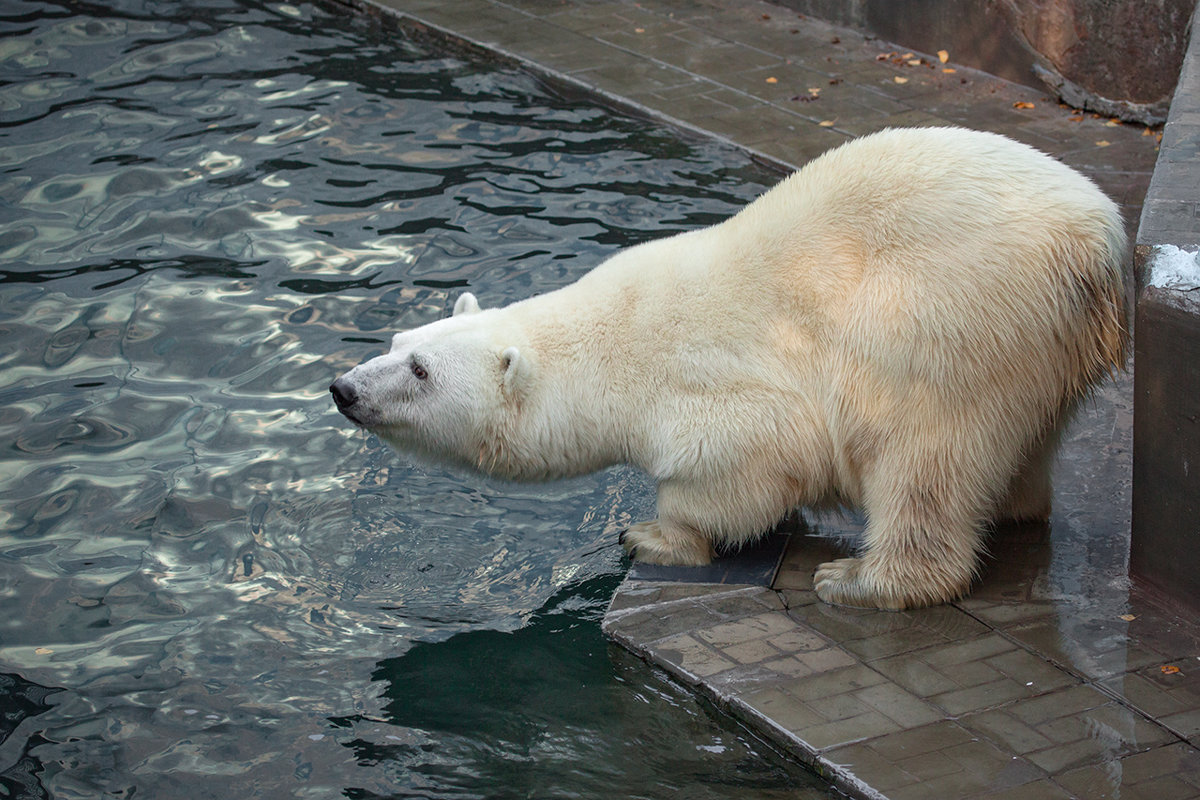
x=212 y=585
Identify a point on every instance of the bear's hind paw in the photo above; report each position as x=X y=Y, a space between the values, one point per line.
x=647 y=542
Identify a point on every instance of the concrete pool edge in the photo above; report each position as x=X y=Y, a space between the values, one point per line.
x=995 y=696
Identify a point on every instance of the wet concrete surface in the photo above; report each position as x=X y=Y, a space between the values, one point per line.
x=1058 y=676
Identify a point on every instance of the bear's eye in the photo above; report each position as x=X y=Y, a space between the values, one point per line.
x=419 y=372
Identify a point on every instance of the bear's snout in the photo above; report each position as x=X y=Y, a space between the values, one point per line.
x=345 y=396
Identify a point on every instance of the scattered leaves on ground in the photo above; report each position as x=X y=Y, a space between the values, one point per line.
x=826 y=123
x=1103 y=143
x=1129 y=617
x=1076 y=118
x=898 y=79
x=1023 y=104
x=1169 y=669
x=772 y=79
x=943 y=56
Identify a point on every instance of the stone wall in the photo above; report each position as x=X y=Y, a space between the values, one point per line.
x=1118 y=57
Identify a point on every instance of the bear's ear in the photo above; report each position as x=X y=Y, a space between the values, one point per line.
x=466 y=304
x=516 y=369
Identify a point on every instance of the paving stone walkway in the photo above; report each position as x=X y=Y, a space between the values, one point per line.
x=1057 y=677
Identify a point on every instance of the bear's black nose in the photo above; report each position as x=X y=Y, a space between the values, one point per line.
x=344 y=394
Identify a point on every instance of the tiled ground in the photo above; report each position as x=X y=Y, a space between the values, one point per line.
x=941 y=702
x=1056 y=677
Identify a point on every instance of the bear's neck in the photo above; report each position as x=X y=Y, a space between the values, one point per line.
x=585 y=407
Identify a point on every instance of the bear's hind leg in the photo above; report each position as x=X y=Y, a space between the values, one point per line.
x=1029 y=493
x=656 y=542
x=922 y=545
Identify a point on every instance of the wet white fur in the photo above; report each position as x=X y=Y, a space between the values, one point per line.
x=902 y=325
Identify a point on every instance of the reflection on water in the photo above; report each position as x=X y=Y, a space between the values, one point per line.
x=207 y=212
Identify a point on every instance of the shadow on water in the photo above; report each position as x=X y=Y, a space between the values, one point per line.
x=208 y=210
x=552 y=709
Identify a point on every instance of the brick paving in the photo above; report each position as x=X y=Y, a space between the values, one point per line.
x=1057 y=677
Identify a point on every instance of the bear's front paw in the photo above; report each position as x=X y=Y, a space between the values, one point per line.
x=853 y=582
x=845 y=583
x=650 y=543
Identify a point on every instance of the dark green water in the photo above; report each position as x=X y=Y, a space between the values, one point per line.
x=212 y=586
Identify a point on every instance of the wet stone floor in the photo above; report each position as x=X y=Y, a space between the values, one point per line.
x=1058 y=676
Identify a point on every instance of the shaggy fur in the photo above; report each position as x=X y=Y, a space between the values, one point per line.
x=903 y=326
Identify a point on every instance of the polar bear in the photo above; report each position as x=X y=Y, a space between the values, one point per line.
x=903 y=326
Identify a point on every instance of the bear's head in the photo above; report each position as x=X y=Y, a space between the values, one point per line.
x=444 y=390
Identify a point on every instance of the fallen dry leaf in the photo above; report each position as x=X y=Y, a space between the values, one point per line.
x=1023 y=104
x=949 y=70
x=943 y=56
x=1169 y=669
x=1112 y=123
x=639 y=30
x=1129 y=617
x=1147 y=132
x=898 y=79
x=826 y=123
x=43 y=651
x=1076 y=118
x=772 y=80
x=914 y=62
x=1103 y=143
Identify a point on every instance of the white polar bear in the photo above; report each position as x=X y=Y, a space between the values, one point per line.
x=903 y=326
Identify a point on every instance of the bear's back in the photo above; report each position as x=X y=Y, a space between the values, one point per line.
x=944 y=255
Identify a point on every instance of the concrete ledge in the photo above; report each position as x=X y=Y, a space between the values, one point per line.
x=1166 y=454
